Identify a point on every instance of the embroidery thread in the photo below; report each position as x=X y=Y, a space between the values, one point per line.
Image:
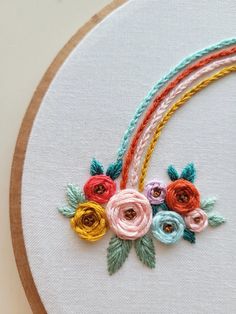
x=164 y=105
x=156 y=103
x=166 y=212
x=204 y=83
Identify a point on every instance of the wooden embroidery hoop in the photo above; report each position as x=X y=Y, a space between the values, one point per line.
x=19 y=157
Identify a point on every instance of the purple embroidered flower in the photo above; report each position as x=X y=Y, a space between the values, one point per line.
x=155 y=192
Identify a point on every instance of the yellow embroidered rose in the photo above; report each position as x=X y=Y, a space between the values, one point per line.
x=89 y=221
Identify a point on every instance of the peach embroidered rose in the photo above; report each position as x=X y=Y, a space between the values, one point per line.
x=182 y=196
x=196 y=220
x=129 y=214
x=99 y=188
x=89 y=221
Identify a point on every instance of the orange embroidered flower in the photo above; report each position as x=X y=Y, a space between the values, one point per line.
x=182 y=196
x=99 y=188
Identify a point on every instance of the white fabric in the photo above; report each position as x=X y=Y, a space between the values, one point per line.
x=84 y=114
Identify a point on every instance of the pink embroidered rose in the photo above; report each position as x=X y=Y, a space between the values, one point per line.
x=155 y=192
x=196 y=220
x=99 y=188
x=129 y=214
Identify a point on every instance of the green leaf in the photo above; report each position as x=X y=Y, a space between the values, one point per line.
x=164 y=206
x=117 y=252
x=66 y=211
x=189 y=236
x=216 y=220
x=158 y=207
x=74 y=195
x=208 y=204
x=154 y=209
x=172 y=173
x=114 y=169
x=145 y=250
x=189 y=173
x=96 y=168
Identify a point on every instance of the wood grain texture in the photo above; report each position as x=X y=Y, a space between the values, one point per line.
x=19 y=157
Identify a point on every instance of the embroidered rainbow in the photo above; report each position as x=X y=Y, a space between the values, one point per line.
x=139 y=213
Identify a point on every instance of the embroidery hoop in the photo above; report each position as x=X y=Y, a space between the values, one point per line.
x=19 y=156
x=14 y=230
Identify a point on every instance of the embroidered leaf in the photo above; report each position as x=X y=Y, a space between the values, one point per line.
x=114 y=169
x=189 y=173
x=66 y=211
x=117 y=253
x=189 y=236
x=164 y=206
x=74 y=195
x=216 y=220
x=154 y=209
x=172 y=173
x=145 y=250
x=208 y=204
x=96 y=167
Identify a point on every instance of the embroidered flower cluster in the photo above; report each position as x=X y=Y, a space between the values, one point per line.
x=165 y=212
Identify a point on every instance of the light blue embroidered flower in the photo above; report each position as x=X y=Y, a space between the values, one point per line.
x=168 y=227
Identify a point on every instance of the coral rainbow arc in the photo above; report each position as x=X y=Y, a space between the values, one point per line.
x=119 y=198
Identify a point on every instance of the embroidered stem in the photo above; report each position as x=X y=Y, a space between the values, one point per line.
x=137 y=158
x=172 y=110
x=156 y=103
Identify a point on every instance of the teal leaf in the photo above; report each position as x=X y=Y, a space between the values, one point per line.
x=74 y=195
x=216 y=220
x=66 y=211
x=189 y=236
x=145 y=250
x=154 y=209
x=172 y=173
x=164 y=206
x=117 y=252
x=208 y=204
x=189 y=173
x=114 y=169
x=96 y=168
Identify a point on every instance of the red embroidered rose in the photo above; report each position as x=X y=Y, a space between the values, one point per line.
x=99 y=188
x=182 y=196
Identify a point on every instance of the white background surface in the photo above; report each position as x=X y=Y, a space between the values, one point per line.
x=31 y=33
x=84 y=114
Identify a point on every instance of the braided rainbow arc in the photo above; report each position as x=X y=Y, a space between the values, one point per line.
x=163 y=81
x=156 y=103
